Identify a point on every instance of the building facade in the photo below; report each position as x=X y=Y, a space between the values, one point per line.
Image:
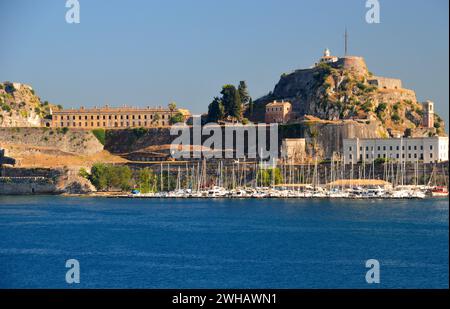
x=424 y=149
x=278 y=112
x=293 y=150
x=109 y=117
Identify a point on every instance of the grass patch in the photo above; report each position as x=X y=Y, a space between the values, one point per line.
x=100 y=135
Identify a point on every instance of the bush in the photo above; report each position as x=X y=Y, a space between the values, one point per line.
x=395 y=117
x=367 y=107
x=6 y=107
x=83 y=173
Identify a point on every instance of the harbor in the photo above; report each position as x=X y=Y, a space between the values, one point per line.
x=333 y=180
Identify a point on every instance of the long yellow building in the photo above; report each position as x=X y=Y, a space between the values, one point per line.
x=115 y=117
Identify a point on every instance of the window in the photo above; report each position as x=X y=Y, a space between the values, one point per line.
x=384 y=147
x=398 y=147
x=379 y=148
x=350 y=148
x=409 y=147
x=431 y=147
x=390 y=148
x=350 y=156
x=431 y=155
x=415 y=147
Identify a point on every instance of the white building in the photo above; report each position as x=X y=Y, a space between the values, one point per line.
x=425 y=149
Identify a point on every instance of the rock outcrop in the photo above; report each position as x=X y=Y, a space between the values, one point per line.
x=21 y=107
x=345 y=89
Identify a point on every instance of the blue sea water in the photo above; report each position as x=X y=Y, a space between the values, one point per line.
x=269 y=243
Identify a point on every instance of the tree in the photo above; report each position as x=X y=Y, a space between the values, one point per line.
x=177 y=118
x=172 y=106
x=147 y=180
x=107 y=177
x=215 y=110
x=99 y=176
x=231 y=102
x=156 y=118
x=251 y=107
x=243 y=92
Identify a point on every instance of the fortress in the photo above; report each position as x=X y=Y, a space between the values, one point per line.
x=358 y=65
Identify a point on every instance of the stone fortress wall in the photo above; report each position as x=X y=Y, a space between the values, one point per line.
x=353 y=63
x=385 y=82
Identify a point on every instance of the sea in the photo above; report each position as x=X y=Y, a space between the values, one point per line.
x=222 y=243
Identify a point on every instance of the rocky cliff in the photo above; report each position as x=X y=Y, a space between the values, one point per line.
x=21 y=107
x=347 y=90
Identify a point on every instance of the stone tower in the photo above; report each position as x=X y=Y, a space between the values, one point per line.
x=428 y=114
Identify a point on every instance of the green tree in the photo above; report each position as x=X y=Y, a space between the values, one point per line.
x=177 y=118
x=251 y=107
x=156 y=118
x=147 y=180
x=269 y=176
x=99 y=176
x=231 y=102
x=107 y=177
x=215 y=110
x=243 y=92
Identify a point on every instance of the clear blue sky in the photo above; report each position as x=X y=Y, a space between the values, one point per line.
x=153 y=52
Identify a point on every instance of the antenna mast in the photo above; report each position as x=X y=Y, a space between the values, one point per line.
x=346 y=41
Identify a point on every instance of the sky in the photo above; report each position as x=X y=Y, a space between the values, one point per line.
x=149 y=53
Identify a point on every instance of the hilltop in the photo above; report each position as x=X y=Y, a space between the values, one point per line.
x=21 y=107
x=345 y=89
